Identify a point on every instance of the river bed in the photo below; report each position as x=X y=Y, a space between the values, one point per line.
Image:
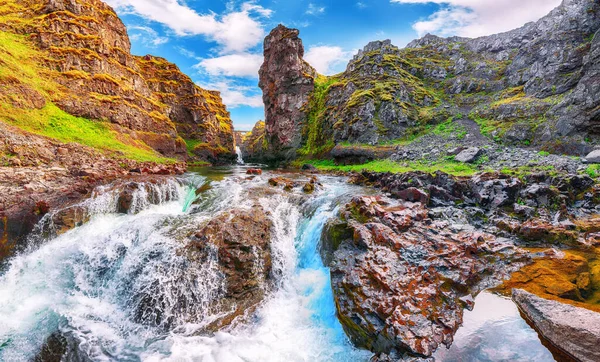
x=85 y=283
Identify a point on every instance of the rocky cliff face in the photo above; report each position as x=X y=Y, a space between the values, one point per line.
x=287 y=82
x=86 y=51
x=536 y=85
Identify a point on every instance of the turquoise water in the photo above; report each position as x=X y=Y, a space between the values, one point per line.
x=87 y=283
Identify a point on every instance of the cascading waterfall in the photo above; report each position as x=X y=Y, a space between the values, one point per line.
x=240 y=156
x=118 y=289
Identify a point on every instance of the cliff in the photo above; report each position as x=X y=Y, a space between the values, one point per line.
x=534 y=86
x=78 y=63
x=287 y=81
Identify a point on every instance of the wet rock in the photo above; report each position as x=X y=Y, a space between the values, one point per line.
x=574 y=330
x=468 y=155
x=541 y=231
x=493 y=192
x=398 y=276
x=308 y=167
x=242 y=241
x=254 y=171
x=288 y=185
x=412 y=194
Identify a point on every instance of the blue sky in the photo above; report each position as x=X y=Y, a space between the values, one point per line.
x=218 y=43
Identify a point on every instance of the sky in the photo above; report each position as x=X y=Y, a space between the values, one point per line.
x=218 y=43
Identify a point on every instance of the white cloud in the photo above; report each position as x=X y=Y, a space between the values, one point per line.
x=233 y=65
x=235 y=95
x=148 y=36
x=315 y=9
x=325 y=59
x=473 y=18
x=234 y=31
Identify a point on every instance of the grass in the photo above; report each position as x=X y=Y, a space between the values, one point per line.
x=593 y=171
x=450 y=167
x=316 y=142
x=21 y=68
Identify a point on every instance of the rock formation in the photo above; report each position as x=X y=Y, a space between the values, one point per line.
x=401 y=279
x=574 y=330
x=241 y=240
x=287 y=82
x=91 y=73
x=536 y=85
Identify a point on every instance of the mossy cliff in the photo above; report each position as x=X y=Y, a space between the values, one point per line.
x=530 y=86
x=70 y=60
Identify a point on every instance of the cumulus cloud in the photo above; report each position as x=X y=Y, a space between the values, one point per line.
x=148 y=36
x=235 y=95
x=233 y=65
x=234 y=31
x=325 y=59
x=472 y=18
x=315 y=9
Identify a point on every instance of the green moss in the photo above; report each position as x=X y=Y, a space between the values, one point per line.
x=315 y=137
x=448 y=166
x=20 y=66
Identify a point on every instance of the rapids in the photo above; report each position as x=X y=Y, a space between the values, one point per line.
x=86 y=283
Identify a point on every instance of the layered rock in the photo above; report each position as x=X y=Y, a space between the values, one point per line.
x=287 y=81
x=531 y=86
x=401 y=279
x=574 y=330
x=86 y=50
x=254 y=143
x=198 y=114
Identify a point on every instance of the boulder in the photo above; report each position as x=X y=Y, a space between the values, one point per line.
x=593 y=157
x=574 y=330
x=401 y=279
x=469 y=155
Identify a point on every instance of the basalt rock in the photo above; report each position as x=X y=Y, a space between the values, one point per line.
x=287 y=82
x=400 y=277
x=535 y=85
x=241 y=241
x=574 y=330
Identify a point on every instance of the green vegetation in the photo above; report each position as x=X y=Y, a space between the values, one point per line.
x=450 y=128
x=593 y=171
x=27 y=91
x=448 y=166
x=316 y=139
x=544 y=153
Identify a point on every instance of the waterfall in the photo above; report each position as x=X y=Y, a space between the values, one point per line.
x=119 y=288
x=240 y=158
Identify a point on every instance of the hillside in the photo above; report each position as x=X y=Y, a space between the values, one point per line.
x=533 y=87
x=66 y=72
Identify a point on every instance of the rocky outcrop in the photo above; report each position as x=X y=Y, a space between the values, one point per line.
x=575 y=331
x=254 y=143
x=535 y=85
x=41 y=176
x=401 y=279
x=91 y=73
x=198 y=114
x=287 y=82
x=239 y=240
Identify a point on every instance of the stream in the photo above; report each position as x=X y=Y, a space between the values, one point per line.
x=85 y=284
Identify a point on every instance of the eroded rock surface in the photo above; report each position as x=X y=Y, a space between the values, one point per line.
x=287 y=81
x=402 y=278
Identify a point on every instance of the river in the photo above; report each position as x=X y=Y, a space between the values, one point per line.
x=86 y=283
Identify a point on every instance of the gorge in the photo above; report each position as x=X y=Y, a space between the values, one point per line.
x=438 y=202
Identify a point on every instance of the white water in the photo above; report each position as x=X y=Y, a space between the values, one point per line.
x=240 y=156
x=89 y=282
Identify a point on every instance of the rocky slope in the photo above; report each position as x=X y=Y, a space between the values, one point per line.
x=535 y=85
x=80 y=60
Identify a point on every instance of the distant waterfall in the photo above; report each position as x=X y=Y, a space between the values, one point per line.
x=240 y=158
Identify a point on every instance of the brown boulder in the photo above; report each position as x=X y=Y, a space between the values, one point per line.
x=401 y=280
